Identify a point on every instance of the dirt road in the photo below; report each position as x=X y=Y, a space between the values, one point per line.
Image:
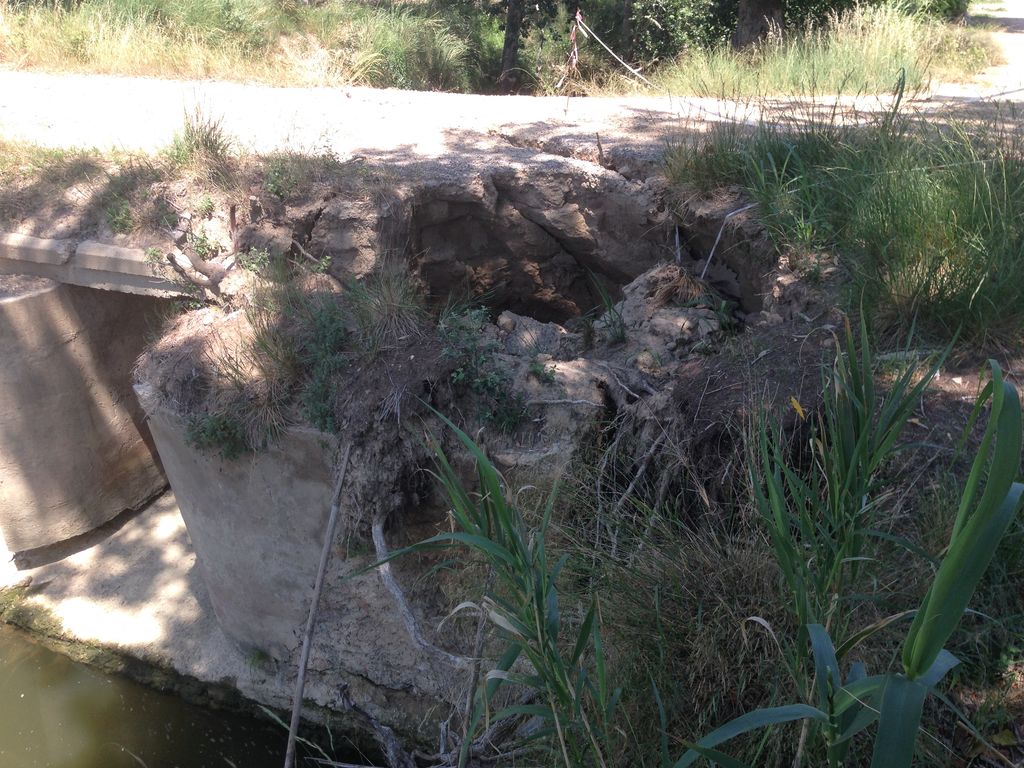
x=143 y=114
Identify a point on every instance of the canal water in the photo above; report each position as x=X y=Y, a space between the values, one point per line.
x=56 y=713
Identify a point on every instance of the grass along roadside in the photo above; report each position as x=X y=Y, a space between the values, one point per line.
x=857 y=51
x=925 y=221
x=457 y=47
x=253 y=40
x=80 y=192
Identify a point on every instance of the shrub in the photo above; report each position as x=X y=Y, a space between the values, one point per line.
x=478 y=368
x=408 y=50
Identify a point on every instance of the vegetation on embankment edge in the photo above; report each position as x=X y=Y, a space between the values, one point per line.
x=457 y=46
x=85 y=192
x=696 y=618
x=923 y=217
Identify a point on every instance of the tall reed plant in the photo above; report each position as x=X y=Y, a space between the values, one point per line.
x=555 y=665
x=821 y=517
x=839 y=706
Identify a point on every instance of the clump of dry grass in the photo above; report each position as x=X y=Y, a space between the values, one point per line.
x=245 y=377
x=252 y=40
x=862 y=50
x=203 y=147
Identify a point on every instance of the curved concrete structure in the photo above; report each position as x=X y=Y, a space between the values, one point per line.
x=74 y=448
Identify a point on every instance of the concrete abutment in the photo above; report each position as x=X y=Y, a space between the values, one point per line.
x=74 y=448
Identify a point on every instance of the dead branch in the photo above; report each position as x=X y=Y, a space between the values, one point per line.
x=644 y=461
x=300 y=683
x=404 y=610
x=192 y=279
x=213 y=271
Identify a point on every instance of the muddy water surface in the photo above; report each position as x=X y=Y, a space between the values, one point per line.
x=56 y=713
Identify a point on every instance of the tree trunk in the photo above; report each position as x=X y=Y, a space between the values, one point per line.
x=756 y=20
x=509 y=78
x=627 y=29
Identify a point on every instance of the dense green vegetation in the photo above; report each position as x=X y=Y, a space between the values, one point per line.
x=927 y=221
x=457 y=45
x=858 y=51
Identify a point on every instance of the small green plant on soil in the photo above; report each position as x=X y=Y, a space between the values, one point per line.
x=204 y=246
x=119 y=216
x=204 y=206
x=278 y=179
x=256 y=260
x=219 y=433
x=479 y=369
x=542 y=372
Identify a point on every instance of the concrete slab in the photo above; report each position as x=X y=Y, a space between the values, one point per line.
x=74 y=449
x=36 y=250
x=90 y=264
x=103 y=257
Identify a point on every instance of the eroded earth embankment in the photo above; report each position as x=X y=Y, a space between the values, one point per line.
x=561 y=308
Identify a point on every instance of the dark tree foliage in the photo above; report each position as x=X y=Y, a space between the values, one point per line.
x=648 y=31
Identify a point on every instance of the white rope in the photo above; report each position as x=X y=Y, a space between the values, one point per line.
x=634 y=72
x=719 y=237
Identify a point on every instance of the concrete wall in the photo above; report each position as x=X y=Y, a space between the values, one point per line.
x=74 y=448
x=257 y=525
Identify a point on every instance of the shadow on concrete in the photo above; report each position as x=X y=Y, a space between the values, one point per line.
x=73 y=441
